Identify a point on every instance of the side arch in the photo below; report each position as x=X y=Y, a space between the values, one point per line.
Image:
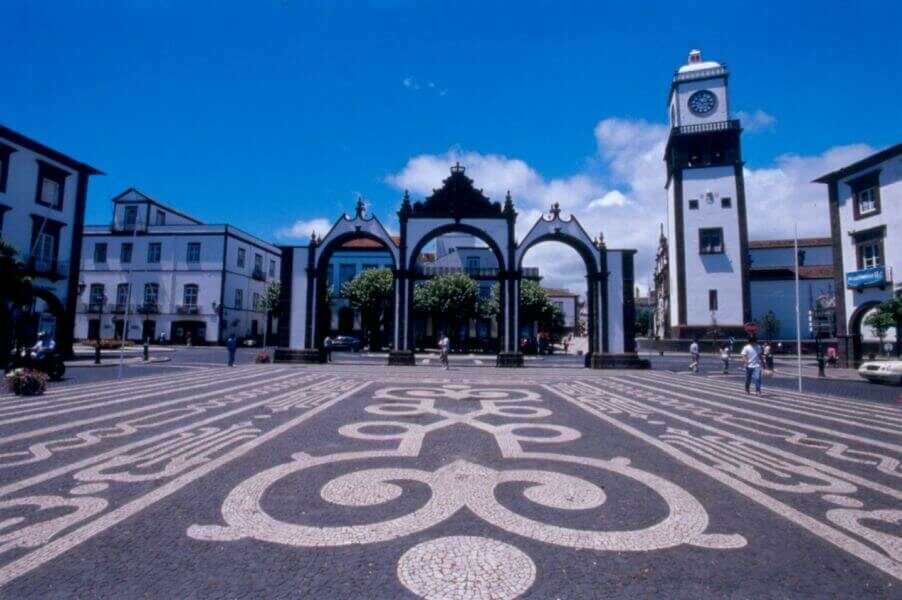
x=855 y=322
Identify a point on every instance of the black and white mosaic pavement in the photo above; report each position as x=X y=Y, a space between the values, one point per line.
x=359 y=481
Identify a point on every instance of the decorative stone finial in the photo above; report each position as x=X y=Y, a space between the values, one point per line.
x=599 y=241
x=555 y=211
x=360 y=208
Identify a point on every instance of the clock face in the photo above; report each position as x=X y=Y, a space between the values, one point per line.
x=702 y=102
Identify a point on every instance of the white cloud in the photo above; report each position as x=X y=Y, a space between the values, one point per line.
x=757 y=121
x=623 y=195
x=414 y=85
x=302 y=229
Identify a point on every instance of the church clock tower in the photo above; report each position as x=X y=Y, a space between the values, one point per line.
x=706 y=219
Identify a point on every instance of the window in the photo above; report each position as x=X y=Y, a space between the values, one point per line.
x=189 y=296
x=5 y=151
x=472 y=263
x=693 y=205
x=193 y=253
x=559 y=304
x=256 y=304
x=99 y=252
x=870 y=254
x=154 y=253
x=125 y=253
x=121 y=296
x=866 y=195
x=161 y=218
x=867 y=201
x=151 y=294
x=242 y=254
x=258 y=263
x=345 y=274
x=239 y=298
x=131 y=216
x=45 y=252
x=51 y=184
x=710 y=241
x=712 y=299
x=95 y=299
x=272 y=268
x=726 y=202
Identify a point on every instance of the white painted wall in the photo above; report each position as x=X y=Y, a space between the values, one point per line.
x=685 y=90
x=722 y=272
x=298 y=332
x=890 y=216
x=615 y=302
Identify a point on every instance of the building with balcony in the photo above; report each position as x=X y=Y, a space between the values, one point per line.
x=865 y=200
x=172 y=277
x=43 y=194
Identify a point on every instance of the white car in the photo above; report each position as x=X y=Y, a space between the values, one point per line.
x=886 y=371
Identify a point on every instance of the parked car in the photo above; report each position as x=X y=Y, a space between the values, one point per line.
x=884 y=371
x=346 y=342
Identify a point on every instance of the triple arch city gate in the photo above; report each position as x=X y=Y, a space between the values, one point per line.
x=458 y=207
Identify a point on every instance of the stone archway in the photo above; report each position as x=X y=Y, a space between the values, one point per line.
x=855 y=322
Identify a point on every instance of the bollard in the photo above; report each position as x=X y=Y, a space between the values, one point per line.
x=97 y=353
x=146 y=351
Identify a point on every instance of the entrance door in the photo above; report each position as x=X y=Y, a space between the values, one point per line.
x=94 y=329
x=149 y=330
x=345 y=320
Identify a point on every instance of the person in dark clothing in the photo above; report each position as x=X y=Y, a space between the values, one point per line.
x=232 y=346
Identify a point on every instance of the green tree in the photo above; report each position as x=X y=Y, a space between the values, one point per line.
x=643 y=322
x=535 y=307
x=770 y=324
x=269 y=302
x=880 y=321
x=372 y=293
x=893 y=309
x=15 y=291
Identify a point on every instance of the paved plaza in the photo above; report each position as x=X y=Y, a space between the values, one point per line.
x=364 y=481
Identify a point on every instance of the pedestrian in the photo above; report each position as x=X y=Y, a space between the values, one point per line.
x=327 y=343
x=232 y=347
x=751 y=354
x=832 y=357
x=725 y=358
x=768 y=360
x=566 y=344
x=694 y=353
x=188 y=339
x=444 y=344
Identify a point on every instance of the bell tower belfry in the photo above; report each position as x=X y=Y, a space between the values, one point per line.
x=706 y=215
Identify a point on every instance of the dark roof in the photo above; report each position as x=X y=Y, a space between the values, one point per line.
x=35 y=146
x=368 y=244
x=864 y=163
x=803 y=243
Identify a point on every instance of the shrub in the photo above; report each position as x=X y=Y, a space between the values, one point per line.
x=263 y=357
x=26 y=382
x=107 y=344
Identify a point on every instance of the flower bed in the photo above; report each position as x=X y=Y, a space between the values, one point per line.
x=26 y=382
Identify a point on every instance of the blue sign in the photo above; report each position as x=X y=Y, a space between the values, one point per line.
x=866 y=277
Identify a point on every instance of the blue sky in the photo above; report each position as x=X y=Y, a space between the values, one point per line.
x=262 y=114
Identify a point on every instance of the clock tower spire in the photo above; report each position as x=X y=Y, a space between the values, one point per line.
x=706 y=218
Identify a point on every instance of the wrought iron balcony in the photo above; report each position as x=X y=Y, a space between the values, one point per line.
x=148 y=308
x=708 y=127
x=187 y=309
x=123 y=225
x=121 y=308
x=39 y=266
x=94 y=307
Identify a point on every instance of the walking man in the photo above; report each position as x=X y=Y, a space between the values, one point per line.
x=725 y=358
x=328 y=345
x=443 y=345
x=232 y=347
x=693 y=351
x=752 y=355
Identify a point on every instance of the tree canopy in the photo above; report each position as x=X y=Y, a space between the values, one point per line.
x=455 y=296
x=372 y=293
x=535 y=306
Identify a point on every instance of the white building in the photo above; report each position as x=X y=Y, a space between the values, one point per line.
x=706 y=217
x=865 y=201
x=175 y=276
x=569 y=305
x=42 y=210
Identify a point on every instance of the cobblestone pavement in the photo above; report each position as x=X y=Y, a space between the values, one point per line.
x=358 y=481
